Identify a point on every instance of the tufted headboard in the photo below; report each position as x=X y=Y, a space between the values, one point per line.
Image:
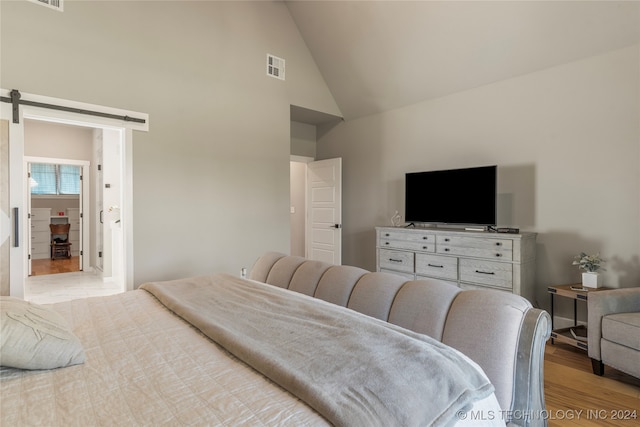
x=500 y=331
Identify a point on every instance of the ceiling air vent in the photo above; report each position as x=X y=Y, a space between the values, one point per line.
x=275 y=66
x=52 y=4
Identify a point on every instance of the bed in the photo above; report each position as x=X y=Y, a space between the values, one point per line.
x=298 y=343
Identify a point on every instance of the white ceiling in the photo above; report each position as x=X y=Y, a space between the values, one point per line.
x=381 y=55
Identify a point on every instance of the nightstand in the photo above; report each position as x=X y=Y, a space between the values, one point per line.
x=575 y=335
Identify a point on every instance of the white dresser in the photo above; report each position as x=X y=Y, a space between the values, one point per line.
x=40 y=233
x=468 y=259
x=73 y=216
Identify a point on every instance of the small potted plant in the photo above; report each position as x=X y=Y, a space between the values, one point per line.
x=590 y=264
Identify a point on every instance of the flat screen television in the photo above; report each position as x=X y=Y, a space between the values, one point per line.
x=454 y=196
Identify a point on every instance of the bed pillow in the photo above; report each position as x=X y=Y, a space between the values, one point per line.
x=33 y=336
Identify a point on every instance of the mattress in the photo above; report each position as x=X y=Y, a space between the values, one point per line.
x=147 y=366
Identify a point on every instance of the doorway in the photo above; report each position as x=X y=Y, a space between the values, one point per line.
x=62 y=191
x=315 y=189
x=316 y=209
x=13 y=229
x=56 y=197
x=298 y=204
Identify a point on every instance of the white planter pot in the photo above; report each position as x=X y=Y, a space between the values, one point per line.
x=591 y=280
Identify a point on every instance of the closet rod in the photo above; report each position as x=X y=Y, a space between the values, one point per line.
x=16 y=102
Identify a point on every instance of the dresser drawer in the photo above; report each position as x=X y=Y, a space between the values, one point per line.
x=41 y=214
x=73 y=213
x=40 y=250
x=40 y=226
x=40 y=247
x=74 y=224
x=414 y=241
x=41 y=237
x=412 y=246
x=40 y=255
x=396 y=260
x=497 y=274
x=475 y=247
x=437 y=266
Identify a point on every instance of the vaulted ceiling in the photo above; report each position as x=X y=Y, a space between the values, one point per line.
x=381 y=55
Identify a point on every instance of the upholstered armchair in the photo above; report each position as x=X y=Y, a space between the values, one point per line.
x=614 y=330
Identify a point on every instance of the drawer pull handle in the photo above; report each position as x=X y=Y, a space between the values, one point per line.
x=386 y=234
x=498 y=243
x=425 y=237
x=485 y=272
x=425 y=247
x=435 y=265
x=498 y=255
x=386 y=243
x=446 y=249
x=446 y=240
x=395 y=260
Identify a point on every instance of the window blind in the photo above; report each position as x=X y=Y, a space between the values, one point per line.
x=51 y=179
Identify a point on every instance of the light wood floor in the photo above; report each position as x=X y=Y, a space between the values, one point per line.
x=41 y=267
x=576 y=397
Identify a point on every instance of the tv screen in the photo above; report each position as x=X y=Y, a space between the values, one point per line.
x=454 y=196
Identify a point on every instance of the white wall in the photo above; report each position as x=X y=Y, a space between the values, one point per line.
x=303 y=139
x=211 y=177
x=567 y=143
x=45 y=139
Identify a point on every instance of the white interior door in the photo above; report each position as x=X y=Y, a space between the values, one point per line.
x=111 y=201
x=324 y=210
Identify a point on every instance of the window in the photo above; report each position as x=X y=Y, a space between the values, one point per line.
x=53 y=179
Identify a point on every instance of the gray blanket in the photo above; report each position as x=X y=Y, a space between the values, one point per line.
x=351 y=368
